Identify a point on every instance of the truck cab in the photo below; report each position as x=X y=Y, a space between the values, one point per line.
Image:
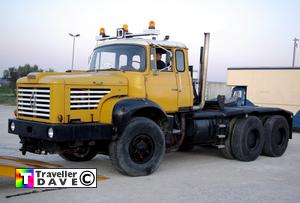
x=136 y=60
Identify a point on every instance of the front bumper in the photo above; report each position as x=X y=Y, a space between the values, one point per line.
x=62 y=132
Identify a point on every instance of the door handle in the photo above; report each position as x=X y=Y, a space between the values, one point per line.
x=177 y=90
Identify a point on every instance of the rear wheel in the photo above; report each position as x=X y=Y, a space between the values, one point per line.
x=83 y=154
x=247 y=139
x=140 y=149
x=276 y=136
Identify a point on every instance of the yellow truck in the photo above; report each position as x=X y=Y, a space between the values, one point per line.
x=136 y=102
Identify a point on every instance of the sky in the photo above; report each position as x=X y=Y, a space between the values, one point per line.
x=244 y=33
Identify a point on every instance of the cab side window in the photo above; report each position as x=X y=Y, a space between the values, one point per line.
x=163 y=59
x=180 y=63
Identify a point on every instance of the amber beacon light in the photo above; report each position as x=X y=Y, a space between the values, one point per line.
x=125 y=27
x=102 y=31
x=151 y=25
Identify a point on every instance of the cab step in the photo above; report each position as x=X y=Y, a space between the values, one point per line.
x=221 y=136
x=176 y=131
x=221 y=146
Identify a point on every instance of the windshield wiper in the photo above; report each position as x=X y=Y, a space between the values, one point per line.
x=94 y=70
x=107 y=69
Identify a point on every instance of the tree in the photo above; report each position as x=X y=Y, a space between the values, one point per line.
x=6 y=74
x=13 y=74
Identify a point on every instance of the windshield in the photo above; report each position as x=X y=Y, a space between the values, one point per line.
x=119 y=57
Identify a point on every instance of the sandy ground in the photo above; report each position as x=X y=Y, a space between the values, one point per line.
x=198 y=176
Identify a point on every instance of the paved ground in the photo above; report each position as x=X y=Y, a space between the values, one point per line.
x=198 y=176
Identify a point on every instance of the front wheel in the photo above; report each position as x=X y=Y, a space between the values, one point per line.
x=140 y=149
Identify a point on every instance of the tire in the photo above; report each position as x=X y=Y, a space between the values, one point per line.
x=85 y=154
x=247 y=139
x=276 y=136
x=140 y=149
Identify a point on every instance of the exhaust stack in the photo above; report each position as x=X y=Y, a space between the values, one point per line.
x=203 y=70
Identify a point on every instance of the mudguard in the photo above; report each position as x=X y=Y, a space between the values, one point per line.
x=125 y=109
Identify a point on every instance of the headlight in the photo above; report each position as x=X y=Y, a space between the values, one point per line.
x=12 y=126
x=50 y=133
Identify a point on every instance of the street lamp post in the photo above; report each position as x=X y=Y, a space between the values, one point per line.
x=74 y=36
x=294 y=52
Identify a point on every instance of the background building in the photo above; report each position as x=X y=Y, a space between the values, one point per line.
x=273 y=87
x=213 y=89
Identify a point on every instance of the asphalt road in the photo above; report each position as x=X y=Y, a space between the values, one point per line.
x=198 y=176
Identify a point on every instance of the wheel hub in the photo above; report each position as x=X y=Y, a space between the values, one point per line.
x=279 y=136
x=141 y=149
x=252 y=139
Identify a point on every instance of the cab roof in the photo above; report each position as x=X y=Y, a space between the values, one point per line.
x=140 y=41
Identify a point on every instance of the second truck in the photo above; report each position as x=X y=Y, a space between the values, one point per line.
x=134 y=111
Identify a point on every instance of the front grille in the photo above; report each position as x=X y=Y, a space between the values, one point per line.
x=86 y=98
x=34 y=102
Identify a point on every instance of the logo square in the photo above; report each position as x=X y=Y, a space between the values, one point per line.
x=24 y=178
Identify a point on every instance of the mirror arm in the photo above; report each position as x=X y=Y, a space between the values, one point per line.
x=165 y=68
x=156 y=45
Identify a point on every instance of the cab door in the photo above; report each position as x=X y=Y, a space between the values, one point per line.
x=184 y=81
x=161 y=86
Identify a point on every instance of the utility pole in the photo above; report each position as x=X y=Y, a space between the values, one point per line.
x=74 y=36
x=294 y=52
